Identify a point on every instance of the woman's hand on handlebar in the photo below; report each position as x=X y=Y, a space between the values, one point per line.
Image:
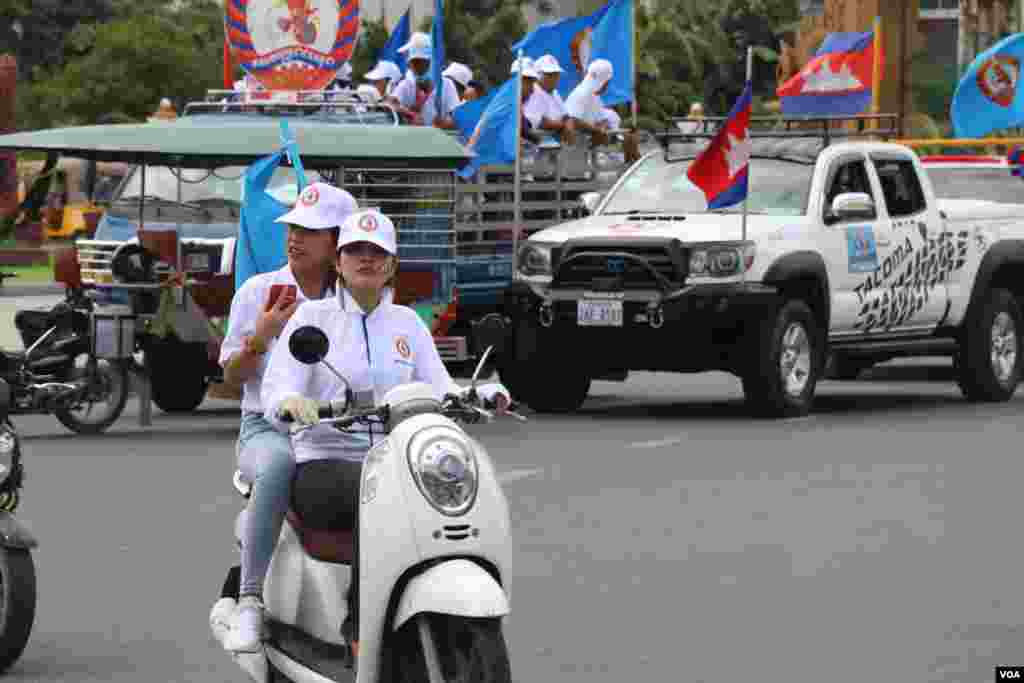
x=299 y=409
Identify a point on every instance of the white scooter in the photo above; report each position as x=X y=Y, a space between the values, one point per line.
x=433 y=534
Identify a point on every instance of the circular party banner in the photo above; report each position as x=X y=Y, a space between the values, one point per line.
x=292 y=44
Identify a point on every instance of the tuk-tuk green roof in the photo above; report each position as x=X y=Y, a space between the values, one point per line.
x=212 y=141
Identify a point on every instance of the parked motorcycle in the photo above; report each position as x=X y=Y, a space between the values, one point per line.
x=59 y=371
x=433 y=538
x=17 y=572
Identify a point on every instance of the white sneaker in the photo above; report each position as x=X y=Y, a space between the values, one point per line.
x=247 y=634
x=221 y=617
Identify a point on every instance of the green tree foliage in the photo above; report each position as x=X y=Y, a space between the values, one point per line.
x=45 y=25
x=124 y=67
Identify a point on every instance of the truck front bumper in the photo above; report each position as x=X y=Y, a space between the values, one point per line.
x=696 y=328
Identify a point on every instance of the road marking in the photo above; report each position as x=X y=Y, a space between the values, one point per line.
x=516 y=475
x=674 y=441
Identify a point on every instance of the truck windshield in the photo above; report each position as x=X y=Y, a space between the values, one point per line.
x=777 y=188
x=206 y=187
x=988 y=184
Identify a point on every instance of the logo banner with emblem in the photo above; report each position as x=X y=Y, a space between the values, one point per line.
x=988 y=96
x=292 y=44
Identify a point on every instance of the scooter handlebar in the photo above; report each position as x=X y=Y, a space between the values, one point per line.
x=325 y=410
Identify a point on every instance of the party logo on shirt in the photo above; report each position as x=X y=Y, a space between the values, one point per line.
x=402 y=346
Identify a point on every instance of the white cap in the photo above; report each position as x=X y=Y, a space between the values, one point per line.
x=320 y=207
x=418 y=47
x=458 y=72
x=384 y=70
x=548 y=65
x=600 y=70
x=345 y=72
x=527 y=62
x=369 y=225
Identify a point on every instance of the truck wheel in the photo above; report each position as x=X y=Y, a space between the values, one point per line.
x=989 y=360
x=557 y=391
x=177 y=375
x=787 y=357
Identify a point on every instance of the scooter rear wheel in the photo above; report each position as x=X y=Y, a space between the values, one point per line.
x=467 y=650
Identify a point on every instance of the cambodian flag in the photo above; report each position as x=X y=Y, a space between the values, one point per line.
x=837 y=82
x=721 y=169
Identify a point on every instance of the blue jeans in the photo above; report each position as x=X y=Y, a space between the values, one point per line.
x=265 y=458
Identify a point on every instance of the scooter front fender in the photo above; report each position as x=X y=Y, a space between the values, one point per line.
x=13 y=533
x=458 y=587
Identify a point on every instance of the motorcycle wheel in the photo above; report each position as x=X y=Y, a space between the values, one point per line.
x=110 y=391
x=17 y=603
x=466 y=650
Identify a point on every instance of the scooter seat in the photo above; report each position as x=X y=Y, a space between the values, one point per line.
x=326 y=545
x=324 y=504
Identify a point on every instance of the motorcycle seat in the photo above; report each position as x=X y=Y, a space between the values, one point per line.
x=324 y=503
x=326 y=545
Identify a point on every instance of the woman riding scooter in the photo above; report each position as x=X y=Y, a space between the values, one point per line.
x=376 y=345
x=255 y=322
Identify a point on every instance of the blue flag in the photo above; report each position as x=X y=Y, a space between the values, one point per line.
x=570 y=41
x=437 y=59
x=575 y=42
x=467 y=115
x=494 y=138
x=988 y=98
x=262 y=242
x=612 y=40
x=399 y=37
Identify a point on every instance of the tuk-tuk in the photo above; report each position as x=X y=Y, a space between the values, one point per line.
x=181 y=203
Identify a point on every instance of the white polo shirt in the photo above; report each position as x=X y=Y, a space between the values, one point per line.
x=375 y=352
x=544 y=105
x=246 y=307
x=584 y=105
x=405 y=93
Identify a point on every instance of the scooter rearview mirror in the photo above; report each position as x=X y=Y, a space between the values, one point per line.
x=480 y=366
x=308 y=345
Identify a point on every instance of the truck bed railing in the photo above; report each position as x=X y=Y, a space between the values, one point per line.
x=554 y=177
x=825 y=128
x=295 y=102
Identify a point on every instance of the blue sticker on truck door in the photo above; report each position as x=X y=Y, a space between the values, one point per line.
x=860 y=246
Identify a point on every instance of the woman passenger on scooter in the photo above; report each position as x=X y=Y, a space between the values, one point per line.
x=376 y=345
x=255 y=323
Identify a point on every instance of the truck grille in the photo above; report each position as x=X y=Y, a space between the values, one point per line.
x=601 y=268
x=94 y=260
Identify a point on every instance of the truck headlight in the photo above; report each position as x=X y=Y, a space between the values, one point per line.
x=445 y=471
x=8 y=447
x=721 y=261
x=534 y=258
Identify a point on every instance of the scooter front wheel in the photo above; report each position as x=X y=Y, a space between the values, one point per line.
x=17 y=603
x=439 y=648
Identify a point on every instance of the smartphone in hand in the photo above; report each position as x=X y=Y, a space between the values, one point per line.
x=289 y=292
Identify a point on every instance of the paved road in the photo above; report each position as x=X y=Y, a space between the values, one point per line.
x=661 y=536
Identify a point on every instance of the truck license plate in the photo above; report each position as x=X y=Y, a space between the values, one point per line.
x=599 y=313
x=198 y=262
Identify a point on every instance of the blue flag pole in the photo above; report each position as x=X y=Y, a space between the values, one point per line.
x=518 y=169
x=750 y=79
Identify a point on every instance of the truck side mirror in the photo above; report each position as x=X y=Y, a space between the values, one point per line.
x=853 y=206
x=590 y=201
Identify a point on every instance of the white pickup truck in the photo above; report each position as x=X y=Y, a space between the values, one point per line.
x=848 y=256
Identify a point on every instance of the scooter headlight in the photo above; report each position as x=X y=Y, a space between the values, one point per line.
x=446 y=473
